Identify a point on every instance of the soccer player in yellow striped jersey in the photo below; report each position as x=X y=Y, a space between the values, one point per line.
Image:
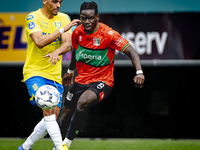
x=49 y=36
x=37 y=25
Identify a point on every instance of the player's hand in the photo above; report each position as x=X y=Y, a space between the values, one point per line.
x=67 y=79
x=54 y=57
x=139 y=80
x=73 y=23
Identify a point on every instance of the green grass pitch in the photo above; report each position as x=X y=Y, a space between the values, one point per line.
x=113 y=144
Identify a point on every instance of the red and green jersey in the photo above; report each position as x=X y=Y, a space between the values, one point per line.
x=95 y=53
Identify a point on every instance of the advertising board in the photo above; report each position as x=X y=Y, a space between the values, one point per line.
x=163 y=36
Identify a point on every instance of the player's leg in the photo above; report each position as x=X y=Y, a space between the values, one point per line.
x=79 y=116
x=69 y=106
x=40 y=129
x=38 y=133
x=94 y=94
x=50 y=117
x=64 y=121
x=49 y=120
x=52 y=125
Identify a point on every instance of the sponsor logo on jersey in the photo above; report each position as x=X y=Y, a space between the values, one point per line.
x=96 y=41
x=44 y=24
x=58 y=24
x=110 y=32
x=120 y=41
x=100 y=85
x=88 y=56
x=101 y=96
x=35 y=87
x=80 y=38
x=29 y=17
x=31 y=25
x=92 y=57
x=69 y=96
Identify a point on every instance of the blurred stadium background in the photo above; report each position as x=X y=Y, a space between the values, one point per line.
x=166 y=35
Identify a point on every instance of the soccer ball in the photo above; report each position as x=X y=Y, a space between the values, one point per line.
x=47 y=97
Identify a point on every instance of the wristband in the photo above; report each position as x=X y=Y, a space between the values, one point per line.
x=139 y=72
x=70 y=71
x=61 y=31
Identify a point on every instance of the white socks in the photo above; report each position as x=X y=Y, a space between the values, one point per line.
x=38 y=133
x=53 y=130
x=67 y=142
x=47 y=124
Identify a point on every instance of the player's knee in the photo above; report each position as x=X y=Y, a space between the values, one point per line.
x=55 y=110
x=82 y=104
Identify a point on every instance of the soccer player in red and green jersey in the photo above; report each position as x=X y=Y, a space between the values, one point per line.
x=93 y=55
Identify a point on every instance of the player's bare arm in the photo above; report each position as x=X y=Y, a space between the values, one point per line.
x=139 y=78
x=65 y=47
x=68 y=77
x=42 y=40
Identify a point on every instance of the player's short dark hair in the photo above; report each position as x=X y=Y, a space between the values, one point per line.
x=89 y=5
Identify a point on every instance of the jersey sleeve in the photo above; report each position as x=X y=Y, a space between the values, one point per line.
x=118 y=42
x=32 y=23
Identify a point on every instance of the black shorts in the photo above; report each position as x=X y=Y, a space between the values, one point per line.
x=99 y=88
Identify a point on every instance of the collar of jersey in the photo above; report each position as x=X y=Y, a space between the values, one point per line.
x=94 y=29
x=40 y=10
